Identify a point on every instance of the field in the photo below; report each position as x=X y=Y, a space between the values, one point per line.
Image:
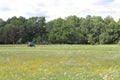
x=60 y=62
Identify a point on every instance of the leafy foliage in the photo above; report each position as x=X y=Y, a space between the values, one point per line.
x=70 y=30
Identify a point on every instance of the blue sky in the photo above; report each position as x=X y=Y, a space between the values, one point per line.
x=53 y=9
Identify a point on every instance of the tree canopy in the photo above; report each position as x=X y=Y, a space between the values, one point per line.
x=70 y=30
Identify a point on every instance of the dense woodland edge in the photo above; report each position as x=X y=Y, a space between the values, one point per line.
x=70 y=30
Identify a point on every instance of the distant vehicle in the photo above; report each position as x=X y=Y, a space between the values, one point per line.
x=30 y=44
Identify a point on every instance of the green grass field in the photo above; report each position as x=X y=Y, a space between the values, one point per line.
x=60 y=62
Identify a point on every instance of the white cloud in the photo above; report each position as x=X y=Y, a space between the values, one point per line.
x=59 y=8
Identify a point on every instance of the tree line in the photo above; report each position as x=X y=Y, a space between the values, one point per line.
x=70 y=30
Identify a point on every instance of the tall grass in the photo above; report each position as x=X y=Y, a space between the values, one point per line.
x=60 y=62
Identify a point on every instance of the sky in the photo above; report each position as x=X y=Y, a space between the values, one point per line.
x=53 y=9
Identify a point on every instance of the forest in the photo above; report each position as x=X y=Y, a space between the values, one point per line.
x=68 y=30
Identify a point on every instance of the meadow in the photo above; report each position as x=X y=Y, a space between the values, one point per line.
x=60 y=62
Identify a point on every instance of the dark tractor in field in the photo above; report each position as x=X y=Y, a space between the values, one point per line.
x=30 y=44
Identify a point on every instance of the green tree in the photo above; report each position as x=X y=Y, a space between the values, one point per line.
x=73 y=32
x=56 y=32
x=111 y=33
x=95 y=29
x=2 y=24
x=118 y=29
x=36 y=27
x=86 y=25
x=13 y=31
